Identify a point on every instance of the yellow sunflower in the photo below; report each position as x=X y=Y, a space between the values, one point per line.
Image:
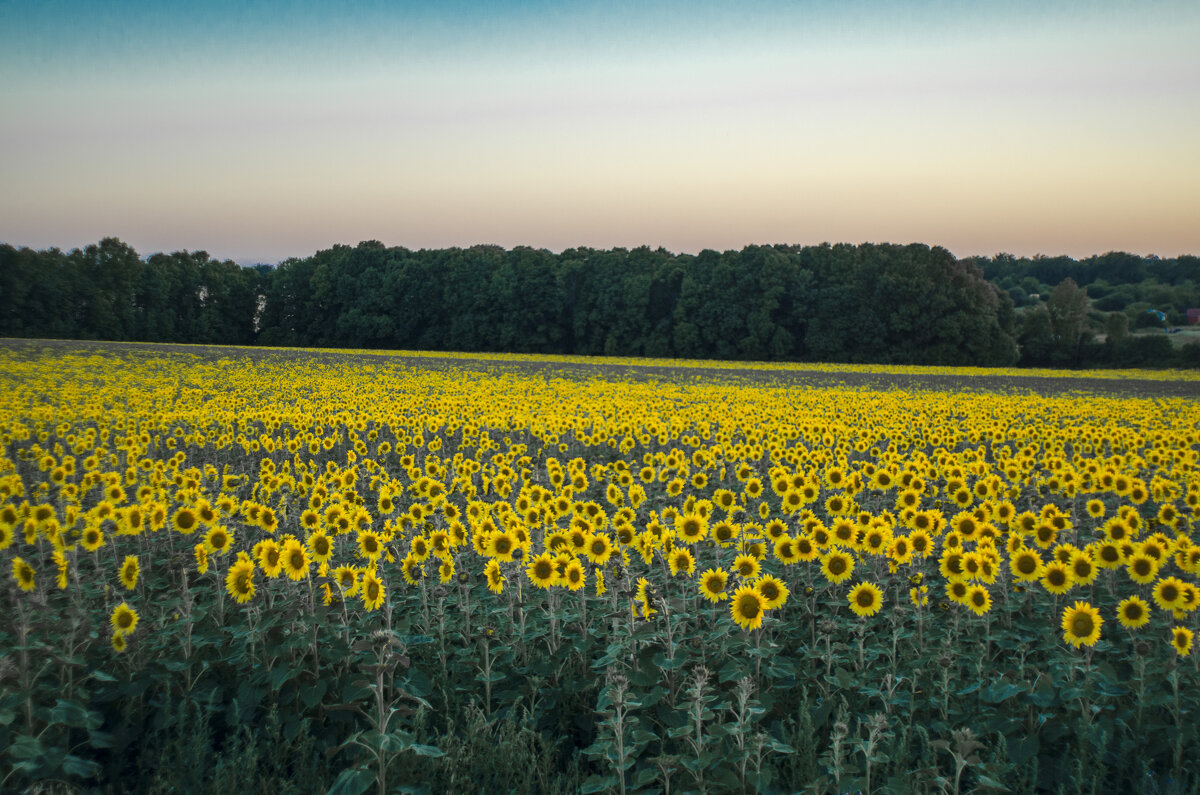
x=295 y=560
x=837 y=566
x=1081 y=624
x=865 y=599
x=24 y=574
x=372 y=590
x=495 y=578
x=747 y=608
x=541 y=571
x=239 y=582
x=129 y=572
x=681 y=562
x=1181 y=640
x=1133 y=612
x=712 y=585
x=124 y=619
x=772 y=590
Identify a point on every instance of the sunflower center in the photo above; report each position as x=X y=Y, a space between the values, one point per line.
x=865 y=599
x=1082 y=625
x=1170 y=593
x=748 y=608
x=837 y=566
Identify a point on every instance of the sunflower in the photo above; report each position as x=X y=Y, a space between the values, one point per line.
x=501 y=545
x=346 y=578
x=1181 y=640
x=681 y=562
x=1083 y=569
x=372 y=590
x=920 y=543
x=270 y=558
x=413 y=569
x=239 y=582
x=978 y=599
x=64 y=568
x=541 y=571
x=772 y=590
x=1026 y=565
x=295 y=560
x=370 y=545
x=1108 y=555
x=837 y=566
x=320 y=546
x=218 y=540
x=899 y=551
x=24 y=574
x=1081 y=624
x=690 y=527
x=124 y=619
x=185 y=520
x=746 y=566
x=201 y=553
x=712 y=585
x=573 y=576
x=93 y=538
x=865 y=599
x=599 y=548
x=1168 y=593
x=1142 y=568
x=957 y=590
x=747 y=608
x=495 y=579
x=1056 y=578
x=1133 y=612
x=129 y=572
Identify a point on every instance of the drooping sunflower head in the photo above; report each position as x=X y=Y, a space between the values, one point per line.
x=129 y=572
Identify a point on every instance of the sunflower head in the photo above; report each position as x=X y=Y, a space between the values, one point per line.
x=747 y=608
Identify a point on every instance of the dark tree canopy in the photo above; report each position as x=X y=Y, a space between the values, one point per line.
x=867 y=303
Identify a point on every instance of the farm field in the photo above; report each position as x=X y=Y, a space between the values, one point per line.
x=415 y=572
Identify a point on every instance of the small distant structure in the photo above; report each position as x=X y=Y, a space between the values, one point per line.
x=1193 y=316
x=1162 y=316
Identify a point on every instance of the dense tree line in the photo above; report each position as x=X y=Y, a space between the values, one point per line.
x=107 y=291
x=908 y=304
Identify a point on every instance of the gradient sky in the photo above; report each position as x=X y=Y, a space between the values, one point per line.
x=263 y=130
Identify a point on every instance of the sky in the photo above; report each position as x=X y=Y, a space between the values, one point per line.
x=258 y=130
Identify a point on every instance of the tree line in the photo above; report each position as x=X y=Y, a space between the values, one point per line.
x=900 y=304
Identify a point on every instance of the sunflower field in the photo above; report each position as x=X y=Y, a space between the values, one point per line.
x=231 y=570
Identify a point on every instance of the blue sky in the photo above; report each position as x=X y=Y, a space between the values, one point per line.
x=260 y=130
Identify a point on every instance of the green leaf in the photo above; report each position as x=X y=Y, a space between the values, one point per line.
x=84 y=768
x=25 y=747
x=354 y=781
x=599 y=784
x=311 y=696
x=426 y=750
x=991 y=783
